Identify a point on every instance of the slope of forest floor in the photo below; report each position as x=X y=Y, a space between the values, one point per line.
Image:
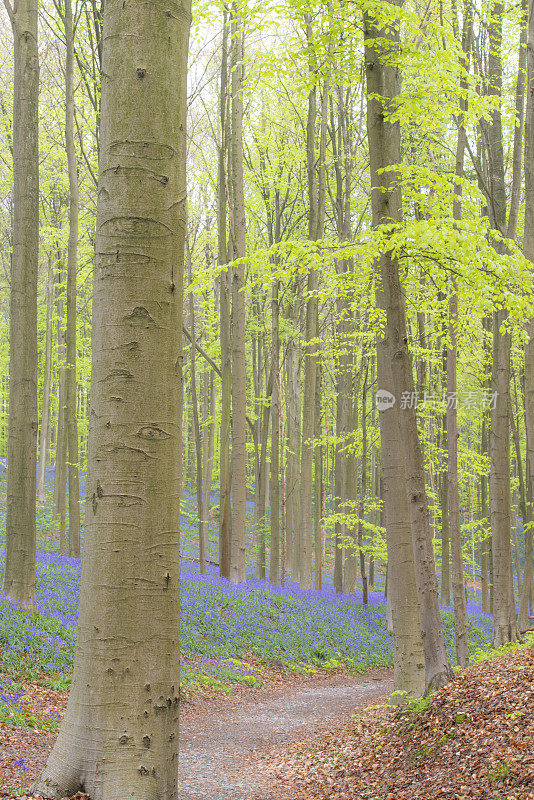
x=473 y=740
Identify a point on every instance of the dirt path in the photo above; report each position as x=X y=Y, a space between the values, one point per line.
x=221 y=743
x=222 y=738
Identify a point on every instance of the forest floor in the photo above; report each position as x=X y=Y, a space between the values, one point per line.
x=332 y=737
x=472 y=740
x=223 y=738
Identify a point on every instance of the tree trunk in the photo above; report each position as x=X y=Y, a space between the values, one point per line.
x=45 y=415
x=60 y=469
x=202 y=523
x=293 y=417
x=19 y=574
x=453 y=434
x=384 y=150
x=460 y=620
x=238 y=324
x=504 y=616
x=445 y=532
x=528 y=249
x=361 y=507
x=274 y=568
x=225 y=518
x=318 y=488
x=119 y=736
x=72 y=268
x=209 y=449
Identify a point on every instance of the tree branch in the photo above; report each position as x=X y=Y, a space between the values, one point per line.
x=10 y=11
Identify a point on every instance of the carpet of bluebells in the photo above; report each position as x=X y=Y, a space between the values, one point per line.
x=227 y=632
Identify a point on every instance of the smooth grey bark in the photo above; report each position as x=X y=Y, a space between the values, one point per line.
x=351 y=561
x=225 y=517
x=238 y=320
x=202 y=522
x=384 y=149
x=343 y=401
x=528 y=250
x=486 y=584
x=504 y=616
x=60 y=469
x=19 y=573
x=47 y=382
x=361 y=506
x=209 y=446
x=318 y=486
x=517 y=152
x=453 y=434
x=119 y=736
x=445 y=530
x=274 y=565
x=316 y=198
x=71 y=420
x=293 y=425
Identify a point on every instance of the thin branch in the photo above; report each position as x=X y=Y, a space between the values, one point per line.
x=10 y=11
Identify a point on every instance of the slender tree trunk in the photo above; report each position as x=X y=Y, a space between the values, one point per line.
x=209 y=449
x=453 y=434
x=202 y=523
x=343 y=399
x=119 y=736
x=351 y=480
x=460 y=619
x=274 y=568
x=384 y=149
x=238 y=324
x=361 y=508
x=293 y=416
x=19 y=574
x=504 y=616
x=225 y=518
x=45 y=415
x=315 y=228
x=445 y=531
x=528 y=249
x=72 y=268
x=318 y=487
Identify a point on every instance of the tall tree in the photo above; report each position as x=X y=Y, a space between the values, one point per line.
x=47 y=381
x=19 y=575
x=383 y=86
x=225 y=518
x=72 y=268
x=119 y=737
x=238 y=322
x=504 y=615
x=453 y=493
x=528 y=249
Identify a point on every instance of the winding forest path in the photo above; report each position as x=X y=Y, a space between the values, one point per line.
x=222 y=741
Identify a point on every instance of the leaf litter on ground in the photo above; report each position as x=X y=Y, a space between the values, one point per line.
x=472 y=740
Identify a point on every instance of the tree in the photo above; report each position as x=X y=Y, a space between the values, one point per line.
x=72 y=268
x=383 y=85
x=238 y=321
x=19 y=575
x=119 y=736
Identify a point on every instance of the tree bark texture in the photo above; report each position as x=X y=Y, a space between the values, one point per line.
x=19 y=575
x=119 y=737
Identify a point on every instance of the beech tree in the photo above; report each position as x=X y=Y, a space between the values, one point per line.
x=19 y=575
x=119 y=736
x=383 y=86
